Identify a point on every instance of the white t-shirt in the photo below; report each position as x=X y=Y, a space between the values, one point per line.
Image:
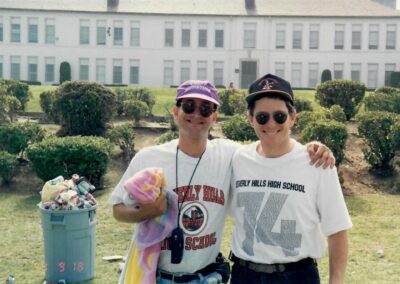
x=203 y=212
x=281 y=205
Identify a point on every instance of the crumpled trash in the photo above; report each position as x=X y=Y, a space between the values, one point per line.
x=72 y=194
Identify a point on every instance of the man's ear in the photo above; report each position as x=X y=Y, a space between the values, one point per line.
x=250 y=118
x=293 y=117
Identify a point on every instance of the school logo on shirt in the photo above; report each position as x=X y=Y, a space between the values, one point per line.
x=194 y=218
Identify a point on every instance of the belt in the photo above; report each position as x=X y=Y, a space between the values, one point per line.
x=184 y=278
x=276 y=267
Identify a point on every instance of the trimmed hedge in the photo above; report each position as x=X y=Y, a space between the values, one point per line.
x=348 y=94
x=377 y=127
x=141 y=94
x=232 y=101
x=17 y=89
x=84 y=108
x=8 y=163
x=124 y=137
x=330 y=132
x=302 y=105
x=239 y=129
x=383 y=99
x=84 y=155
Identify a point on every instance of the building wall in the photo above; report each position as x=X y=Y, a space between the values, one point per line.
x=152 y=53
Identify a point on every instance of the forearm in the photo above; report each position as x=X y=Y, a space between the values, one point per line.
x=338 y=251
x=129 y=214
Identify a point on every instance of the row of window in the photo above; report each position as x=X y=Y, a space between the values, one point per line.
x=32 y=28
x=249 y=34
x=185 y=67
x=338 y=72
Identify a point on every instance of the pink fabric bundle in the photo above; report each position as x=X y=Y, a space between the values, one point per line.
x=144 y=188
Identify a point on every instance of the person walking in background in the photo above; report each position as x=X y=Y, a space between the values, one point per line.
x=280 y=203
x=198 y=170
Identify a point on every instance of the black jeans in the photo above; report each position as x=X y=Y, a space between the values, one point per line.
x=243 y=275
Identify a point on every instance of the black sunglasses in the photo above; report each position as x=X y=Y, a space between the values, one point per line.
x=189 y=106
x=280 y=117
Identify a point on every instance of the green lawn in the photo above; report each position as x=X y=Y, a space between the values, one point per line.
x=375 y=219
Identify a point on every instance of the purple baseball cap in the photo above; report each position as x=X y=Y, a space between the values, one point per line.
x=198 y=89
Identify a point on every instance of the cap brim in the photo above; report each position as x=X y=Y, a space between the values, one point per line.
x=264 y=93
x=198 y=96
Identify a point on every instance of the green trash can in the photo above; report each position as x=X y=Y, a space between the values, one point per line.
x=69 y=244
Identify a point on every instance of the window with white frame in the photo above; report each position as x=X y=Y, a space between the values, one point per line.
x=185 y=34
x=372 y=79
x=280 y=69
x=338 y=69
x=391 y=36
x=169 y=34
x=135 y=33
x=15 y=68
x=101 y=32
x=49 y=67
x=296 y=74
x=168 y=72
x=339 y=36
x=101 y=70
x=118 y=33
x=312 y=74
x=373 y=41
x=50 y=31
x=249 y=35
x=185 y=70
x=219 y=35
x=84 y=69
x=389 y=69
x=202 y=41
x=280 y=36
x=355 y=71
x=84 y=30
x=134 y=71
x=33 y=30
x=314 y=36
x=201 y=70
x=297 y=36
x=117 y=71
x=218 y=73
x=32 y=68
x=1 y=66
x=1 y=29
x=356 y=36
x=15 y=30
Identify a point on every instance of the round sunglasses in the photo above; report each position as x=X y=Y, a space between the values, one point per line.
x=280 y=117
x=189 y=106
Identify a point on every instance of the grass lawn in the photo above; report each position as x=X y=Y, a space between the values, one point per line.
x=375 y=218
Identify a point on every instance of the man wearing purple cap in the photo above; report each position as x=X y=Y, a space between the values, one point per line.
x=199 y=171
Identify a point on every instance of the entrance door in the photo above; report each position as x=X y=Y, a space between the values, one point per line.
x=248 y=73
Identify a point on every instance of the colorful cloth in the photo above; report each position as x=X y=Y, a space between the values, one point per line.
x=145 y=187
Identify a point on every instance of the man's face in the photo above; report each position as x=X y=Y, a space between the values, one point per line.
x=195 y=117
x=272 y=121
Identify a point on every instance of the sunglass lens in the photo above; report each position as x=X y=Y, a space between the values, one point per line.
x=280 y=117
x=262 y=118
x=205 y=110
x=188 y=106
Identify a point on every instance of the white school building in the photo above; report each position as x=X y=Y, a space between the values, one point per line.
x=159 y=43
